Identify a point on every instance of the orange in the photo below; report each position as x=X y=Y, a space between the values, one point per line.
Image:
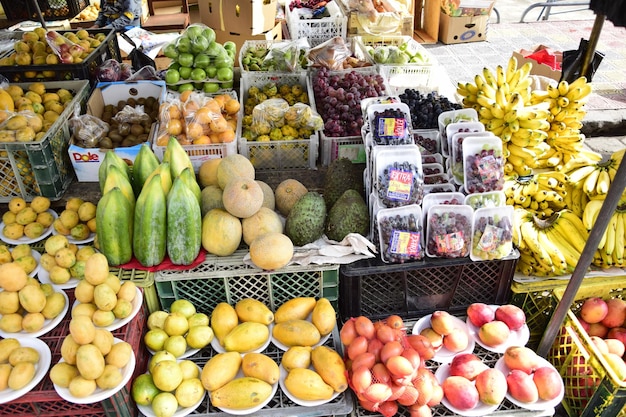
x=203 y=115
x=174 y=111
x=231 y=106
x=184 y=96
x=213 y=106
x=219 y=124
x=202 y=140
x=227 y=136
x=194 y=130
x=175 y=127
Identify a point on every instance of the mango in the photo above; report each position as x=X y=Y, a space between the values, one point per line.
x=223 y=319
x=296 y=333
x=89 y=361
x=23 y=354
x=119 y=355
x=62 y=374
x=82 y=387
x=55 y=303
x=241 y=393
x=246 y=337
x=307 y=385
x=110 y=378
x=260 y=366
x=220 y=369
x=324 y=316
x=296 y=357
x=6 y=347
x=104 y=297
x=21 y=374
x=82 y=329
x=331 y=367
x=295 y=308
x=249 y=309
x=5 y=371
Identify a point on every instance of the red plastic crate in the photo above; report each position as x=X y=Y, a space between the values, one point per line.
x=43 y=400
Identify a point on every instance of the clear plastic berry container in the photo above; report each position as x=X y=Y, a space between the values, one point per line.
x=492 y=233
x=483 y=164
x=432 y=168
x=400 y=234
x=453 y=116
x=429 y=140
x=399 y=179
x=433 y=158
x=488 y=199
x=449 y=231
x=466 y=127
x=439 y=188
x=436 y=179
x=390 y=124
x=446 y=197
x=456 y=156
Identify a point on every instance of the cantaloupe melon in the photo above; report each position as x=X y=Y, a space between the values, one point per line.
x=234 y=166
x=263 y=221
x=221 y=232
x=242 y=197
x=287 y=193
x=271 y=251
x=207 y=173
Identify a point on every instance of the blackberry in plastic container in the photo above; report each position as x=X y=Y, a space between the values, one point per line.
x=426 y=108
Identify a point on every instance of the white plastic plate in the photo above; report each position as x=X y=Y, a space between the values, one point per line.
x=41 y=369
x=516 y=337
x=443 y=355
x=48 y=324
x=25 y=239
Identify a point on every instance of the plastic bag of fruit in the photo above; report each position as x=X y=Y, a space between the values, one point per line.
x=287 y=55
x=171 y=122
x=88 y=130
x=65 y=49
x=330 y=54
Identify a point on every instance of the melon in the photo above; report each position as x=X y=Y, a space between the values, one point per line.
x=287 y=194
x=207 y=173
x=268 y=195
x=271 y=251
x=263 y=221
x=211 y=198
x=221 y=232
x=242 y=197
x=234 y=166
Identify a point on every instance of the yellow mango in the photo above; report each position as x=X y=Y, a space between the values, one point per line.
x=220 y=369
x=296 y=333
x=241 y=393
x=307 y=385
x=249 y=309
x=295 y=308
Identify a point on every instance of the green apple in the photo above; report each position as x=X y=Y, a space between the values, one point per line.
x=193 y=31
x=201 y=61
x=170 y=51
x=198 y=74
x=183 y=44
x=174 y=65
x=230 y=45
x=223 y=61
x=215 y=49
x=228 y=84
x=225 y=74
x=185 y=87
x=231 y=53
x=209 y=34
x=198 y=85
x=185 y=59
x=211 y=88
x=211 y=71
x=172 y=76
x=199 y=44
x=185 y=72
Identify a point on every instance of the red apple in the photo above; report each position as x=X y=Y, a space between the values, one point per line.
x=616 y=314
x=512 y=315
x=594 y=310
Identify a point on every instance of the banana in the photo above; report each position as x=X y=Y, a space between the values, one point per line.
x=568 y=216
x=538 y=96
x=490 y=78
x=511 y=69
x=500 y=76
x=603 y=183
x=570 y=254
x=471 y=88
x=589 y=186
x=524 y=70
x=530 y=235
x=590 y=213
x=567 y=233
x=553 y=92
x=619 y=238
x=563 y=87
x=578 y=82
x=558 y=260
x=609 y=247
x=524 y=268
x=484 y=100
x=497 y=111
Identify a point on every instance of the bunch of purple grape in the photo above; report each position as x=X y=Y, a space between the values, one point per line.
x=426 y=108
x=338 y=99
x=449 y=234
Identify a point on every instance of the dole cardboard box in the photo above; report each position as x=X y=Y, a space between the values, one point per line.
x=462 y=29
x=250 y=17
x=86 y=161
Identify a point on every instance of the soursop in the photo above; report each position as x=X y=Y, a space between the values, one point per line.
x=305 y=222
x=341 y=175
x=348 y=215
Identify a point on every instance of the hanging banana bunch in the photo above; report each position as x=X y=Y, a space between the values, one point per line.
x=567 y=109
x=549 y=247
x=591 y=174
x=542 y=194
x=502 y=102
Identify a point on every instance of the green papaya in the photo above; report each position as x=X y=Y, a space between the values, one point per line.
x=150 y=224
x=145 y=163
x=111 y=158
x=176 y=155
x=184 y=224
x=116 y=178
x=163 y=170
x=114 y=227
x=189 y=178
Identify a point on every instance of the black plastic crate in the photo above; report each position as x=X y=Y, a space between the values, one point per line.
x=50 y=9
x=86 y=70
x=374 y=289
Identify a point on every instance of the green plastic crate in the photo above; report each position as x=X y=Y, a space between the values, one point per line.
x=228 y=279
x=592 y=387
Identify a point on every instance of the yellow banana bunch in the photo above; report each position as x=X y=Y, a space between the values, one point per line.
x=549 y=247
x=542 y=194
x=566 y=103
x=611 y=246
x=592 y=174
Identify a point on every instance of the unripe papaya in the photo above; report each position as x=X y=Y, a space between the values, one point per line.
x=110 y=159
x=184 y=224
x=150 y=224
x=241 y=393
x=145 y=163
x=114 y=227
x=220 y=369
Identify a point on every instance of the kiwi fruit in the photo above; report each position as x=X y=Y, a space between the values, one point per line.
x=106 y=143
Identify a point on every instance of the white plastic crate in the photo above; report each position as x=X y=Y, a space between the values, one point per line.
x=317 y=30
x=284 y=154
x=418 y=76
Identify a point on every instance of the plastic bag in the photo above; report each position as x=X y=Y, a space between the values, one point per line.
x=108 y=71
x=287 y=55
x=330 y=54
x=145 y=73
x=171 y=122
x=88 y=130
x=64 y=48
x=130 y=114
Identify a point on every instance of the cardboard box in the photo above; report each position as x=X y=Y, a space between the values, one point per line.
x=252 y=17
x=275 y=34
x=86 y=161
x=462 y=29
x=539 y=68
x=467 y=7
